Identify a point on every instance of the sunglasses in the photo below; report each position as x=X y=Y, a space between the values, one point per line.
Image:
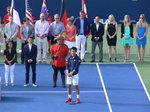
x=141 y=18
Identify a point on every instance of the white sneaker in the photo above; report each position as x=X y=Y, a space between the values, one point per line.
x=34 y=85
x=86 y=51
x=44 y=62
x=25 y=85
x=12 y=84
x=39 y=62
x=6 y=84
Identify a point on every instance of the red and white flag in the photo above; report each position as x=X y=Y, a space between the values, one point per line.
x=84 y=8
x=28 y=14
x=85 y=13
x=16 y=18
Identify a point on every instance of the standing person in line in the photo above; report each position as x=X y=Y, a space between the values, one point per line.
x=30 y=53
x=141 y=31
x=70 y=40
x=41 y=32
x=97 y=31
x=11 y=31
x=1 y=35
x=56 y=28
x=9 y=56
x=72 y=69
x=6 y=19
x=59 y=52
x=26 y=31
x=111 y=32
x=127 y=36
x=83 y=28
x=49 y=34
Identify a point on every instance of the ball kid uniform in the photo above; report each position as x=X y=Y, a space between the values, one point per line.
x=73 y=63
x=6 y=20
x=50 y=20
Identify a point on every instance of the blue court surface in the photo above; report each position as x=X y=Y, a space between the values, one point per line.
x=103 y=88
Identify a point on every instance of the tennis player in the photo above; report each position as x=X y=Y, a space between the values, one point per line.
x=72 y=69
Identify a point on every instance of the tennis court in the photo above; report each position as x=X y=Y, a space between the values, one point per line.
x=114 y=87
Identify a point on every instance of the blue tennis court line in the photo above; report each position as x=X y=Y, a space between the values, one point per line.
x=115 y=76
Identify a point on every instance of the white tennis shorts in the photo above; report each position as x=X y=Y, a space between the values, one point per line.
x=73 y=80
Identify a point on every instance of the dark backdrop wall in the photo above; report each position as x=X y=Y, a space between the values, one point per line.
x=101 y=8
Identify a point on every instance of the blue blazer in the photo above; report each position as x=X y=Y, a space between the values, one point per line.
x=86 y=25
x=30 y=54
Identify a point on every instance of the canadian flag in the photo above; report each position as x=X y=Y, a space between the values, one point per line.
x=84 y=8
x=16 y=18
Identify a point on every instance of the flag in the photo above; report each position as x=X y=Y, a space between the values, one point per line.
x=63 y=13
x=28 y=14
x=16 y=18
x=43 y=10
x=84 y=8
x=85 y=13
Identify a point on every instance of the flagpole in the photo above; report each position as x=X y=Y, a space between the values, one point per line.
x=11 y=9
x=82 y=5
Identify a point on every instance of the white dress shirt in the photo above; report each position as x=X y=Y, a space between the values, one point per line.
x=97 y=26
x=30 y=46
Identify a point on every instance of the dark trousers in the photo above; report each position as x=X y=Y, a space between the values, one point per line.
x=22 y=53
x=33 y=67
x=53 y=41
x=4 y=36
x=100 y=45
x=15 y=48
x=61 y=69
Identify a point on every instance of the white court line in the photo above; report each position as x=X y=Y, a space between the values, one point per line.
x=141 y=81
x=106 y=95
x=49 y=91
x=87 y=63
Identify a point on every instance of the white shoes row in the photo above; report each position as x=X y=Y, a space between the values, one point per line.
x=34 y=85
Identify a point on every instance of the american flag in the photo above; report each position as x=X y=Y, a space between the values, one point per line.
x=28 y=14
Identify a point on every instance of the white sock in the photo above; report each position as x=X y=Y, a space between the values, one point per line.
x=77 y=96
x=69 y=96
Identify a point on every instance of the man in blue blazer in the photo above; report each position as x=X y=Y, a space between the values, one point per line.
x=30 y=54
x=83 y=28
